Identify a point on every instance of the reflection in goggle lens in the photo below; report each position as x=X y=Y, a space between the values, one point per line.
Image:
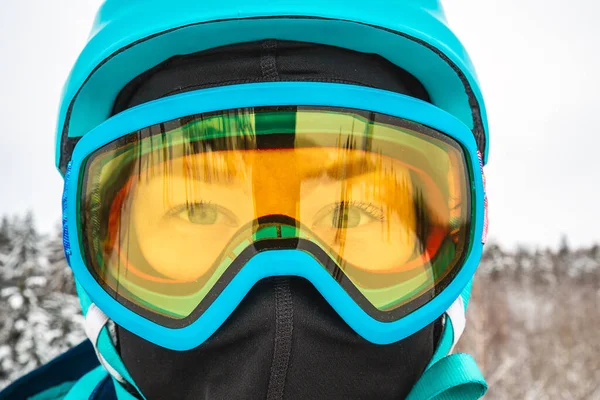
x=167 y=210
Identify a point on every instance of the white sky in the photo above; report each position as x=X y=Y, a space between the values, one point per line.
x=538 y=62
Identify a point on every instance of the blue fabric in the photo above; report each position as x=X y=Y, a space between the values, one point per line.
x=105 y=390
x=117 y=52
x=466 y=294
x=55 y=393
x=68 y=367
x=122 y=394
x=87 y=385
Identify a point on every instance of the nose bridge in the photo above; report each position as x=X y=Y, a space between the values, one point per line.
x=276 y=183
x=276 y=230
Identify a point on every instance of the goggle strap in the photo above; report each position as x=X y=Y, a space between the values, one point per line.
x=454 y=326
x=486 y=215
x=97 y=331
x=451 y=376
x=456 y=314
x=95 y=321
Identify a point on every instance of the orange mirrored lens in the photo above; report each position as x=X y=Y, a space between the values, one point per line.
x=169 y=209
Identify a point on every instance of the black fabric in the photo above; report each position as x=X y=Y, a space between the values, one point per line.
x=68 y=367
x=267 y=61
x=284 y=341
x=327 y=359
x=284 y=327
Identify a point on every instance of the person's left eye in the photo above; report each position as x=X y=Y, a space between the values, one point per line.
x=347 y=215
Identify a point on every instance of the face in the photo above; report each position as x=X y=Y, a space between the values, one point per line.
x=185 y=211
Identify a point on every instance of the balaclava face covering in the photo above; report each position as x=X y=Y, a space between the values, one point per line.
x=284 y=341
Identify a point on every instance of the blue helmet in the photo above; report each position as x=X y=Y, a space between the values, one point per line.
x=130 y=37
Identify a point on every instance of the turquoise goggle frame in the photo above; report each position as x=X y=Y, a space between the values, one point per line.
x=274 y=262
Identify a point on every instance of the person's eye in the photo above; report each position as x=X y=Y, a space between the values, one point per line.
x=204 y=214
x=348 y=215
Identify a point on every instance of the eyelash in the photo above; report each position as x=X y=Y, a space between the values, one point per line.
x=182 y=207
x=368 y=208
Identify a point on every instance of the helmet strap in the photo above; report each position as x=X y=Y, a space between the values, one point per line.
x=451 y=376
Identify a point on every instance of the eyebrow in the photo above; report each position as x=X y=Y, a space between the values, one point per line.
x=201 y=172
x=345 y=169
x=341 y=169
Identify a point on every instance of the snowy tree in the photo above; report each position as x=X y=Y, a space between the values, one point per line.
x=595 y=252
x=60 y=298
x=537 y=337
x=20 y=278
x=40 y=315
x=62 y=276
x=4 y=236
x=564 y=249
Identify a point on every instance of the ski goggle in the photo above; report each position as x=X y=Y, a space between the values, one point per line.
x=181 y=205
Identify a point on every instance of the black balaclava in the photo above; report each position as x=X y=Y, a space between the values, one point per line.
x=284 y=341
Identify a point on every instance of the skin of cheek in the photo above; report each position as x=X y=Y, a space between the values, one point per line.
x=393 y=247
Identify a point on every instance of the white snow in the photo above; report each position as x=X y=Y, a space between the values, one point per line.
x=16 y=301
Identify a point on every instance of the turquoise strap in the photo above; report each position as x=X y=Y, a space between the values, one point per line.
x=455 y=377
x=466 y=293
x=450 y=377
x=54 y=393
x=86 y=385
x=84 y=388
x=448 y=334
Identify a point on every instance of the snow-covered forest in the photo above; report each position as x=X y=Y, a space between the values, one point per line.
x=533 y=322
x=39 y=310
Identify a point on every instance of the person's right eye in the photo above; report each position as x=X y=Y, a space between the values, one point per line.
x=204 y=213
